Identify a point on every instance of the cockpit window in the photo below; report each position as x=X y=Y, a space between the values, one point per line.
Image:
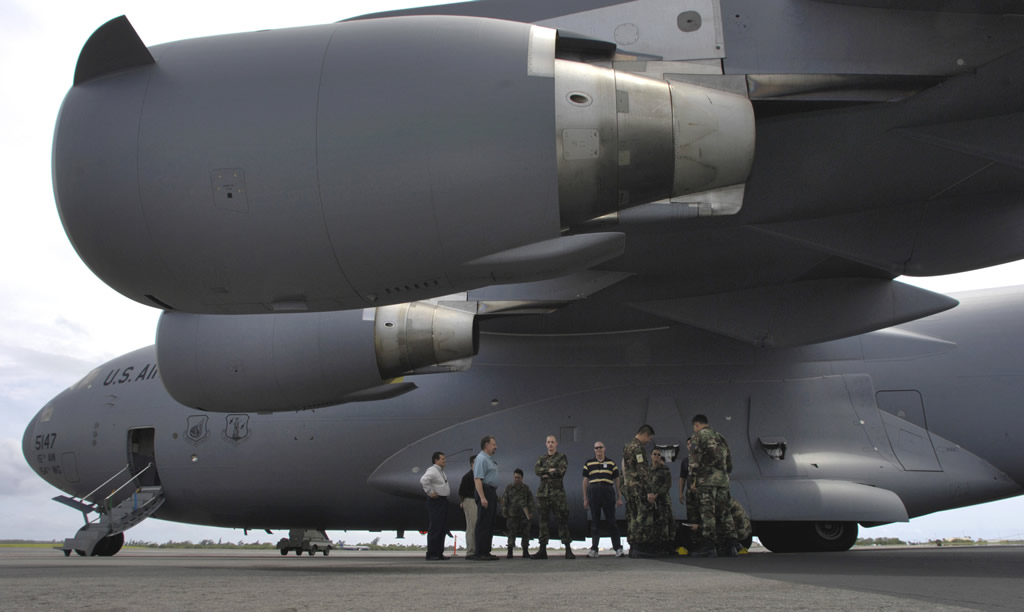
x=87 y=381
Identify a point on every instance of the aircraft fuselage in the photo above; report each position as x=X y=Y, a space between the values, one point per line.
x=908 y=410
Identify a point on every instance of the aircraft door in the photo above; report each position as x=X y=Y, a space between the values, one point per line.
x=141 y=453
x=905 y=424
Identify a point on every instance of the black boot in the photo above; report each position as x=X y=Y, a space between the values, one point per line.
x=526 y=548
x=542 y=553
x=732 y=549
x=568 y=551
x=510 y=554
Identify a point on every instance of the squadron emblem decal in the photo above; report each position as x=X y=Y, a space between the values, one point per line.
x=196 y=428
x=236 y=428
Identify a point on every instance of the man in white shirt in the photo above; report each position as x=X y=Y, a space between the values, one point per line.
x=435 y=485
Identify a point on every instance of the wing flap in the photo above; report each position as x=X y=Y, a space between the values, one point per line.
x=804 y=312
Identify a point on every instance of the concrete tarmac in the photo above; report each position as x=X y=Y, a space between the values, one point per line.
x=979 y=578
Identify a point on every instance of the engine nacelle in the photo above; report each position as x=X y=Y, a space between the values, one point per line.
x=278 y=362
x=366 y=163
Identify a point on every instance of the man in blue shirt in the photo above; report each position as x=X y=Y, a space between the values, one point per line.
x=485 y=478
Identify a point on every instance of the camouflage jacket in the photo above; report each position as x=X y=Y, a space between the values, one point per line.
x=661 y=482
x=710 y=460
x=551 y=482
x=515 y=500
x=636 y=469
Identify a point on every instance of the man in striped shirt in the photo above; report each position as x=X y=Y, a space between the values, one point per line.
x=601 y=494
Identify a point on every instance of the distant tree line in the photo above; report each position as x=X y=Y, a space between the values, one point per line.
x=880 y=542
x=201 y=544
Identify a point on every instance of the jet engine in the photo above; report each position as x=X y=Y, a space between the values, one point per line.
x=367 y=163
x=270 y=363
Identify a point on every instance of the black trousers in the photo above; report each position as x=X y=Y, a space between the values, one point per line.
x=602 y=500
x=437 y=510
x=485 y=520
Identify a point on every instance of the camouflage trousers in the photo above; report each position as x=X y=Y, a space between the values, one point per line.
x=554 y=504
x=716 y=523
x=665 y=534
x=692 y=507
x=518 y=527
x=739 y=519
x=641 y=521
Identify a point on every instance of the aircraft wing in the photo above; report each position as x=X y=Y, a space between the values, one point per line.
x=742 y=166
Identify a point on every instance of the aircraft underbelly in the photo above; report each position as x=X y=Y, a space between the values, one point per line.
x=806 y=499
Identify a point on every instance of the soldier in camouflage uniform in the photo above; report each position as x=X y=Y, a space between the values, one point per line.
x=710 y=464
x=661 y=484
x=551 y=467
x=636 y=484
x=739 y=519
x=688 y=496
x=517 y=508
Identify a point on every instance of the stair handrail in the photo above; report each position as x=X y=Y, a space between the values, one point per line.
x=106 y=501
x=91 y=493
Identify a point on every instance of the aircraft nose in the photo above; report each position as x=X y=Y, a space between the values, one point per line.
x=27 y=439
x=38 y=444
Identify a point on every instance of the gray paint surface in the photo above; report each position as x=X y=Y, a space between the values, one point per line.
x=397 y=159
x=818 y=398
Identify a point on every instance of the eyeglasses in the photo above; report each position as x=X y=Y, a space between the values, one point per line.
x=655 y=454
x=598 y=447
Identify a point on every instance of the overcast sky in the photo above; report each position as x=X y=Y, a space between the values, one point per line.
x=57 y=321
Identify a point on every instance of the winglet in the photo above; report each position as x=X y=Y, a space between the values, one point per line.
x=114 y=46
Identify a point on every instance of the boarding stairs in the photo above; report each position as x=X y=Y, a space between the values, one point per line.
x=102 y=534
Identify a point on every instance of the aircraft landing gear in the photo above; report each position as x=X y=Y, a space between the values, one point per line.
x=109 y=546
x=818 y=536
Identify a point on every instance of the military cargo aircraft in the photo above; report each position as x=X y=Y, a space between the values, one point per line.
x=396 y=234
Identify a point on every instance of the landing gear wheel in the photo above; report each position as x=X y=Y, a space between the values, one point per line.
x=109 y=546
x=833 y=536
x=284 y=552
x=820 y=536
x=779 y=537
